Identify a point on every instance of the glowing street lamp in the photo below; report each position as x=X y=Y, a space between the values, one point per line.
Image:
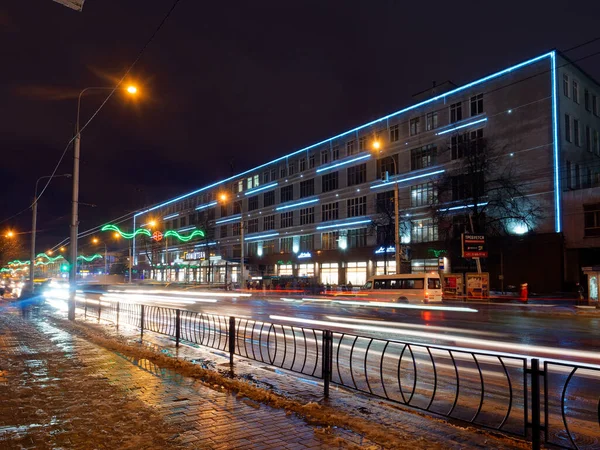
x=75 y=200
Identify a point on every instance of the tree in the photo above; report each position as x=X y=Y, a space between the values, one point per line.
x=10 y=249
x=481 y=192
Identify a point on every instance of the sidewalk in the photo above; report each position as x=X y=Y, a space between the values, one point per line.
x=63 y=391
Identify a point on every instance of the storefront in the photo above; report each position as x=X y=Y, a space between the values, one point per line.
x=356 y=273
x=306 y=270
x=381 y=266
x=285 y=270
x=329 y=273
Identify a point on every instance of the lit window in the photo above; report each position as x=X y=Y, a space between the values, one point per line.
x=415 y=126
x=432 y=121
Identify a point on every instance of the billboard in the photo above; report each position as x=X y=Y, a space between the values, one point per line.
x=473 y=246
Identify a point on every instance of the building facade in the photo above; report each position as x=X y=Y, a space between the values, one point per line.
x=324 y=212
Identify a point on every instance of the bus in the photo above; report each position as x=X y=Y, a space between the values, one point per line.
x=404 y=288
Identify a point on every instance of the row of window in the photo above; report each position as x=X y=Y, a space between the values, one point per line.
x=578 y=177
x=590 y=100
x=573 y=131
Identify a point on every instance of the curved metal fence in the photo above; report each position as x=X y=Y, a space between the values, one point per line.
x=559 y=403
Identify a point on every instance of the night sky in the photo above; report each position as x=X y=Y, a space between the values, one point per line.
x=231 y=83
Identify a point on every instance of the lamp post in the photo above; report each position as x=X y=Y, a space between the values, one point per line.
x=397 y=244
x=223 y=198
x=34 y=224
x=75 y=199
x=96 y=241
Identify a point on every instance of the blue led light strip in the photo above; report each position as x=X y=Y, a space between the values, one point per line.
x=557 y=219
x=409 y=178
x=208 y=205
x=307 y=202
x=262 y=188
x=366 y=125
x=181 y=230
x=230 y=219
x=462 y=126
x=204 y=245
x=251 y=238
x=172 y=216
x=347 y=224
x=454 y=208
x=343 y=163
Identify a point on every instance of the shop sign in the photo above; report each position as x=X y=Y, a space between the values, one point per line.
x=283 y=263
x=305 y=255
x=193 y=256
x=382 y=250
x=473 y=246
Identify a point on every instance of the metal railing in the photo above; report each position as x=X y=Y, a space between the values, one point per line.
x=506 y=393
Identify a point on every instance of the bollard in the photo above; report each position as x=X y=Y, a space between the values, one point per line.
x=535 y=404
x=177 y=327
x=231 y=339
x=142 y=322
x=327 y=360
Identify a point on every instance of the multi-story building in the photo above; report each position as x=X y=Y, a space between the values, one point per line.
x=321 y=211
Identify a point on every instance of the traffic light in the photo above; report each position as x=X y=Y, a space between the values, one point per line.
x=64 y=268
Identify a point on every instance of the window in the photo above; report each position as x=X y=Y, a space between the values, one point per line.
x=252 y=225
x=249 y=182
x=387 y=164
x=253 y=203
x=329 y=211
x=307 y=242
x=385 y=202
x=476 y=104
x=468 y=186
x=588 y=139
x=577 y=177
x=329 y=182
x=415 y=126
x=307 y=188
x=183 y=221
x=455 y=112
x=311 y=161
x=423 y=231
x=256 y=180
x=302 y=164
x=357 y=174
x=329 y=273
x=467 y=144
x=394 y=133
x=269 y=198
x=575 y=91
x=432 y=121
x=591 y=220
x=324 y=156
x=240 y=186
x=273 y=173
x=282 y=171
x=266 y=177
x=566 y=85
x=329 y=240
x=568 y=128
x=586 y=100
x=351 y=147
x=291 y=168
x=423 y=157
x=422 y=194
x=224 y=210
x=595 y=105
x=237 y=207
x=568 y=175
x=287 y=193
x=235 y=229
x=307 y=215
x=306 y=270
x=357 y=206
x=223 y=231
x=576 y=136
x=286 y=244
x=285 y=269
x=335 y=153
x=362 y=144
x=588 y=178
x=357 y=238
x=596 y=143
x=287 y=219
x=269 y=222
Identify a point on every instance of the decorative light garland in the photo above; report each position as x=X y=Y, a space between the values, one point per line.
x=89 y=258
x=142 y=231
x=184 y=238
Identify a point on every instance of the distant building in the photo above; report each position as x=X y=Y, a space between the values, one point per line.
x=314 y=212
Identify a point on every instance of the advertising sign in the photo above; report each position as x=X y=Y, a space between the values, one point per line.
x=193 y=256
x=473 y=246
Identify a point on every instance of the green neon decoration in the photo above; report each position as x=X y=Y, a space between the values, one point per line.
x=4 y=269
x=111 y=227
x=17 y=262
x=89 y=258
x=49 y=258
x=182 y=238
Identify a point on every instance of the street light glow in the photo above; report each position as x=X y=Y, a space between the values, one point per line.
x=223 y=197
x=376 y=145
x=132 y=89
x=95 y=240
x=62 y=249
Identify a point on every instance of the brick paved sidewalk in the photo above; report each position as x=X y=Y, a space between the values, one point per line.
x=61 y=391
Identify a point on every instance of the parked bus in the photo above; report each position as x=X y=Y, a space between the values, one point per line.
x=404 y=288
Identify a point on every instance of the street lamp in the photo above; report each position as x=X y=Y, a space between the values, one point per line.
x=223 y=198
x=34 y=223
x=377 y=146
x=75 y=201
